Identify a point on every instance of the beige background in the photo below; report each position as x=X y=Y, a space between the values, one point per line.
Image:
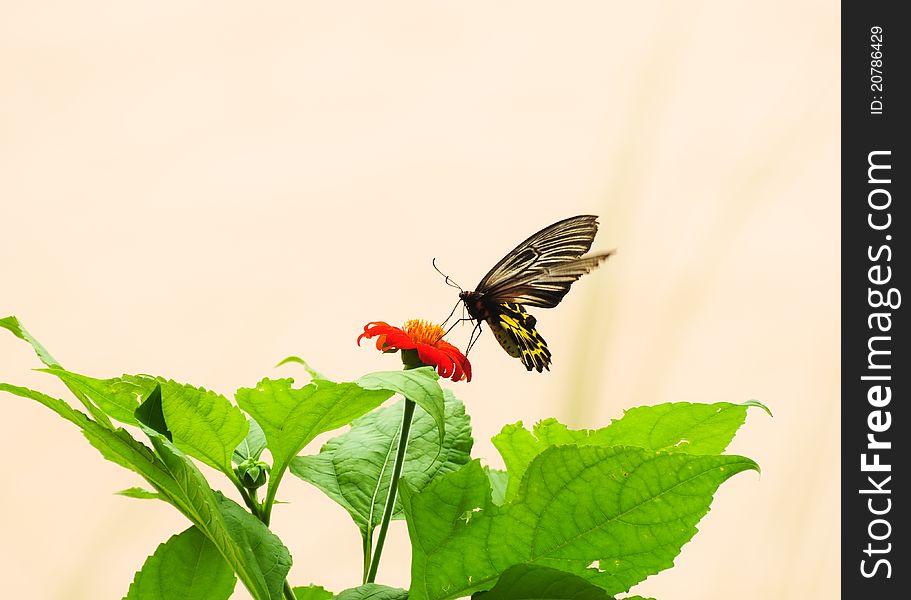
x=200 y=191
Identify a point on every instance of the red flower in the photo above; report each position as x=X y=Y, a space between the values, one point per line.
x=426 y=339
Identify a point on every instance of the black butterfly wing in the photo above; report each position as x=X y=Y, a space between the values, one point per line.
x=555 y=244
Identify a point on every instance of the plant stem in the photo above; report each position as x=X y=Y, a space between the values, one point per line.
x=368 y=554
x=389 y=508
x=288 y=592
x=270 y=498
x=249 y=499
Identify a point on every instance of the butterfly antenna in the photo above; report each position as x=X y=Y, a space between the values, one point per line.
x=446 y=278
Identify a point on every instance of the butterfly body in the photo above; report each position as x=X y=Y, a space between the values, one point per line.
x=474 y=303
x=538 y=272
x=513 y=328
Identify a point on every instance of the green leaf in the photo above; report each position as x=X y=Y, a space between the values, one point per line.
x=355 y=468
x=678 y=427
x=186 y=567
x=312 y=592
x=252 y=446
x=118 y=397
x=139 y=493
x=369 y=591
x=255 y=554
x=498 y=481
x=529 y=582
x=314 y=374
x=13 y=326
x=151 y=414
x=672 y=427
x=205 y=424
x=58 y=406
x=202 y=423
x=373 y=591
x=420 y=385
x=628 y=508
x=292 y=417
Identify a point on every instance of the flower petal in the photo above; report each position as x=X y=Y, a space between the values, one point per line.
x=399 y=340
x=462 y=368
x=431 y=356
x=373 y=329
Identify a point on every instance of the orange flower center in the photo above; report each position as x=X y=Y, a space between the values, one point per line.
x=424 y=332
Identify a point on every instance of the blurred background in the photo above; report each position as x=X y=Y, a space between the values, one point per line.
x=199 y=191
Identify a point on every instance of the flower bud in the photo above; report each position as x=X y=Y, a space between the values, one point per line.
x=252 y=473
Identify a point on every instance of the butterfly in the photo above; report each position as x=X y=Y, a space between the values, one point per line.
x=536 y=273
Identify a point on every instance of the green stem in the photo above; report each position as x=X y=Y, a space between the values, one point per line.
x=275 y=477
x=288 y=592
x=368 y=554
x=249 y=499
x=269 y=501
x=389 y=508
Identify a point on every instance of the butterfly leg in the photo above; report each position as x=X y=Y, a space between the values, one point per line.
x=474 y=338
x=451 y=327
x=454 y=308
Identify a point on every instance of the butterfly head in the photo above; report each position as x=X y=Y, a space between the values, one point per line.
x=474 y=302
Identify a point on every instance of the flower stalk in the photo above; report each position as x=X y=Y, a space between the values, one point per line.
x=389 y=507
x=287 y=591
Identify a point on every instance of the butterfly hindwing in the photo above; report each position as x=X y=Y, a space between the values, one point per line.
x=515 y=330
x=546 y=288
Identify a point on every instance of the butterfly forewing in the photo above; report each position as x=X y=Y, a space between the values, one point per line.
x=556 y=244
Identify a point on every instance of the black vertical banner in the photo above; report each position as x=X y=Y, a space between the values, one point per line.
x=876 y=372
